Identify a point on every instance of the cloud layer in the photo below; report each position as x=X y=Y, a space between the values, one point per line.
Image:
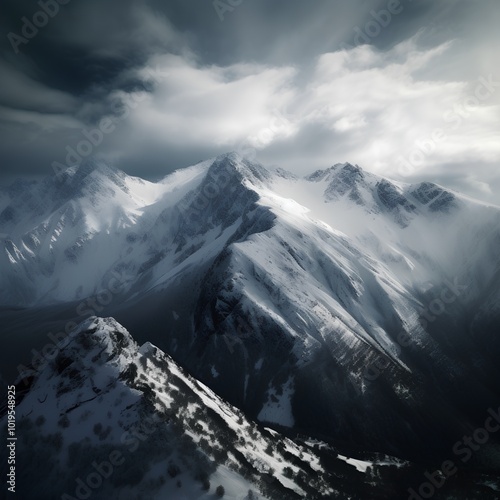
x=145 y=92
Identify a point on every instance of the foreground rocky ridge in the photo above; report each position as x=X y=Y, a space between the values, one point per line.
x=109 y=419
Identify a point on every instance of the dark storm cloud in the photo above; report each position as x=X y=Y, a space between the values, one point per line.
x=185 y=80
x=60 y=80
x=86 y=43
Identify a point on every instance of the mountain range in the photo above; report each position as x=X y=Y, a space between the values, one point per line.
x=354 y=310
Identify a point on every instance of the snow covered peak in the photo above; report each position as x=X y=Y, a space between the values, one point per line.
x=138 y=226
x=346 y=179
x=174 y=437
x=94 y=342
x=91 y=175
x=343 y=169
x=238 y=168
x=91 y=165
x=349 y=185
x=107 y=333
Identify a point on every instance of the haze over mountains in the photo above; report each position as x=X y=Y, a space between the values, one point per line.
x=342 y=306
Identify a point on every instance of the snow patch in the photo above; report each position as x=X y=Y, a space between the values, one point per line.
x=258 y=365
x=360 y=465
x=278 y=408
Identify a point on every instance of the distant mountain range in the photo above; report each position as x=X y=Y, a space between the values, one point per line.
x=341 y=306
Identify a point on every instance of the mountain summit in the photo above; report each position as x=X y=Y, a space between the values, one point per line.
x=342 y=304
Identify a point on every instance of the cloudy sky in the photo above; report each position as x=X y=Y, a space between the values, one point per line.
x=409 y=89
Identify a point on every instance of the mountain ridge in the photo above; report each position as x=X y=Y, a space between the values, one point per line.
x=161 y=433
x=259 y=277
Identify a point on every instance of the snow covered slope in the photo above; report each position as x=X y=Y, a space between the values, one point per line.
x=341 y=304
x=62 y=237
x=108 y=419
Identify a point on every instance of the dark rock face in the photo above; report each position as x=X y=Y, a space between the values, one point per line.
x=436 y=198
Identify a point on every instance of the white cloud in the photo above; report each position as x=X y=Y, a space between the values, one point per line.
x=361 y=105
x=212 y=105
x=381 y=114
